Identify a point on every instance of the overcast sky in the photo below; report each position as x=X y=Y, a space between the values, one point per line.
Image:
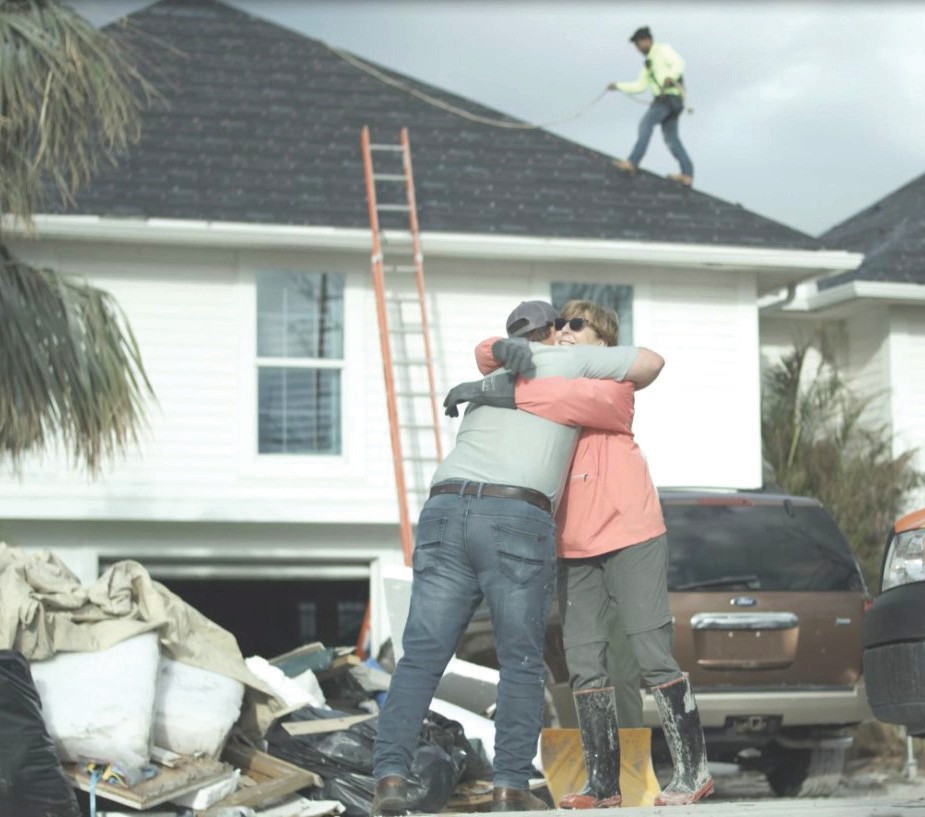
x=805 y=112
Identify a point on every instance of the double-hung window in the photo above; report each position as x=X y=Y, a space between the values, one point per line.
x=300 y=362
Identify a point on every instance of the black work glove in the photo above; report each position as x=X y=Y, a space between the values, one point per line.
x=497 y=391
x=514 y=354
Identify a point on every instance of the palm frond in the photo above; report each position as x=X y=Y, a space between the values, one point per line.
x=70 y=96
x=70 y=368
x=819 y=440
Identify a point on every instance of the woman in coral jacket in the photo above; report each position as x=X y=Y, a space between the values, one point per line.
x=613 y=552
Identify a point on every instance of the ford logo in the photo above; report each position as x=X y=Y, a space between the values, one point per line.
x=743 y=601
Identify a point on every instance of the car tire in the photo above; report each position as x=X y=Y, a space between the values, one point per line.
x=812 y=772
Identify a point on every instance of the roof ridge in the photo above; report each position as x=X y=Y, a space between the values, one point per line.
x=878 y=204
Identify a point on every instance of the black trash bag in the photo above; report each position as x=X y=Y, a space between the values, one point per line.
x=448 y=735
x=31 y=779
x=434 y=777
x=326 y=754
x=344 y=760
x=350 y=748
x=343 y=691
x=354 y=791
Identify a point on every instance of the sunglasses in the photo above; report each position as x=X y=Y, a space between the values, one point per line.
x=575 y=324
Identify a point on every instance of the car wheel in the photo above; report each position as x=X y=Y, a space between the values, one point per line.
x=806 y=772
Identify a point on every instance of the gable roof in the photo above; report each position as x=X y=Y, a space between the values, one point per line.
x=261 y=124
x=890 y=233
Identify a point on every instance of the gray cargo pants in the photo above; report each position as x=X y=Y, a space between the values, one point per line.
x=634 y=580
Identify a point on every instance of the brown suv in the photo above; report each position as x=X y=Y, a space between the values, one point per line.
x=768 y=605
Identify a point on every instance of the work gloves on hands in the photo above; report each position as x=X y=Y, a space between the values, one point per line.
x=514 y=355
x=497 y=391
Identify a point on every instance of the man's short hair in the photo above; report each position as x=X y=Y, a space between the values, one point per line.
x=539 y=335
x=642 y=33
x=529 y=316
x=604 y=321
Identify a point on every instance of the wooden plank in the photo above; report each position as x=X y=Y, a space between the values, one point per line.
x=252 y=762
x=188 y=776
x=164 y=757
x=274 y=778
x=322 y=725
x=296 y=661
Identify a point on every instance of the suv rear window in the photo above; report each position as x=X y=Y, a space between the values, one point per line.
x=717 y=545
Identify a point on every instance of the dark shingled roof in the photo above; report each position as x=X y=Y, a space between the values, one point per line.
x=262 y=124
x=890 y=233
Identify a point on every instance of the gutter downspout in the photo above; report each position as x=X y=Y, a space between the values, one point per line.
x=789 y=295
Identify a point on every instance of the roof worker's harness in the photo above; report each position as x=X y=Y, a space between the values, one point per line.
x=677 y=83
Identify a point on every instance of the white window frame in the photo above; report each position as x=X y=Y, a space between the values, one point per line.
x=347 y=464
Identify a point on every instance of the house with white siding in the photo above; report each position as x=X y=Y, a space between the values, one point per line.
x=872 y=315
x=235 y=236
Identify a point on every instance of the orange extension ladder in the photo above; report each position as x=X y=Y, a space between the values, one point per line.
x=407 y=357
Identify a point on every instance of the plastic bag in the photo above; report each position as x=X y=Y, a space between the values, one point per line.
x=31 y=779
x=449 y=735
x=344 y=759
x=434 y=777
x=354 y=791
x=343 y=691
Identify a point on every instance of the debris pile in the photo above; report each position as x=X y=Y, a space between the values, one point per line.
x=124 y=691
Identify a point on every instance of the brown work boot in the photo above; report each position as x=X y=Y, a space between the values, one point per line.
x=391 y=796
x=505 y=799
x=626 y=166
x=681 y=178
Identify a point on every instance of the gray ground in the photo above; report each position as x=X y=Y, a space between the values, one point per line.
x=870 y=789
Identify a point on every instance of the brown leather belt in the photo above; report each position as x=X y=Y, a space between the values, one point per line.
x=487 y=489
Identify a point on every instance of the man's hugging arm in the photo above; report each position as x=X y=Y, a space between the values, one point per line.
x=639 y=365
x=594 y=403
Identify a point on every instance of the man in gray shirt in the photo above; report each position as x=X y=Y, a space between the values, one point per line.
x=487 y=531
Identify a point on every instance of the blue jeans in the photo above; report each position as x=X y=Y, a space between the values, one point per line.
x=468 y=548
x=667 y=114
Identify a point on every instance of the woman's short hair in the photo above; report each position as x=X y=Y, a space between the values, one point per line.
x=602 y=320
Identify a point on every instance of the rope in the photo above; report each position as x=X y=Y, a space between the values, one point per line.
x=439 y=103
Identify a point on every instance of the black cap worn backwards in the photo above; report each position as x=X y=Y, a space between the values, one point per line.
x=530 y=315
x=641 y=34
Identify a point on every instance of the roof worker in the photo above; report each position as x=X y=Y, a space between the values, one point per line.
x=487 y=531
x=661 y=74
